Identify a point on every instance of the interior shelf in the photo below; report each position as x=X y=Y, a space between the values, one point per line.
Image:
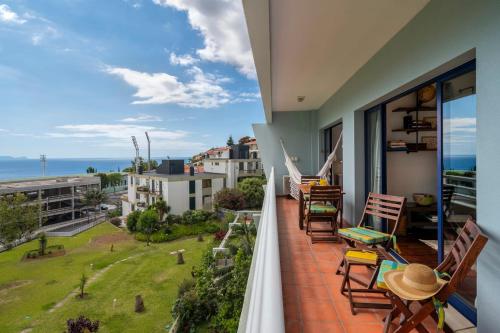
x=415 y=109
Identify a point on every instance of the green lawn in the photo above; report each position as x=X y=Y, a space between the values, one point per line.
x=29 y=290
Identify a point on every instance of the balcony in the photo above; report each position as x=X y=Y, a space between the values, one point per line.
x=293 y=287
x=142 y=189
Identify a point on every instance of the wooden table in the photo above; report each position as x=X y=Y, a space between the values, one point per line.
x=306 y=189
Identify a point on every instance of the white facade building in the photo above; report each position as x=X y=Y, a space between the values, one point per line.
x=181 y=192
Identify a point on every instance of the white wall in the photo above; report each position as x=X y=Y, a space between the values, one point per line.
x=178 y=196
x=199 y=194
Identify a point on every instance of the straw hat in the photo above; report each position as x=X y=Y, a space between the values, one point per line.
x=414 y=283
x=427 y=94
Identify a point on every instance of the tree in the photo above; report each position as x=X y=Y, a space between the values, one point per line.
x=161 y=208
x=94 y=198
x=83 y=282
x=244 y=140
x=114 y=179
x=104 y=179
x=148 y=222
x=142 y=165
x=230 y=141
x=132 y=220
x=91 y=169
x=42 y=243
x=253 y=191
x=230 y=198
x=19 y=217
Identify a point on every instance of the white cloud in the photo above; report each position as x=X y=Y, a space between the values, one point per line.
x=454 y=125
x=9 y=16
x=141 y=118
x=203 y=91
x=182 y=60
x=250 y=94
x=222 y=25
x=49 y=32
x=119 y=135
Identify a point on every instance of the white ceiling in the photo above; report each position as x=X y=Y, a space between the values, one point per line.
x=317 y=45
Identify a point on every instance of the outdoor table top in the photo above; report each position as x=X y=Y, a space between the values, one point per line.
x=306 y=189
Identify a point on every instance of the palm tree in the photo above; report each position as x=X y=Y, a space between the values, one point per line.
x=94 y=198
x=162 y=208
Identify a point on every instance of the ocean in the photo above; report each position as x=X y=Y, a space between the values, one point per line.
x=460 y=162
x=28 y=168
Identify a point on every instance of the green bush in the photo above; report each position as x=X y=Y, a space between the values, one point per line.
x=196 y=216
x=177 y=231
x=230 y=198
x=174 y=219
x=253 y=192
x=132 y=220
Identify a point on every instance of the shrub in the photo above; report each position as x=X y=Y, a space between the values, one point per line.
x=186 y=285
x=174 y=219
x=114 y=213
x=81 y=324
x=116 y=221
x=253 y=192
x=219 y=235
x=132 y=220
x=196 y=216
x=180 y=230
x=230 y=198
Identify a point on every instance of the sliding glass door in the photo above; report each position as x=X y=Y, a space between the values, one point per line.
x=458 y=171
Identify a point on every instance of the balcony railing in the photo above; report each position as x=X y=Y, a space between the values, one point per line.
x=263 y=306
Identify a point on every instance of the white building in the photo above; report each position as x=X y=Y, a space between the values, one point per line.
x=181 y=191
x=236 y=162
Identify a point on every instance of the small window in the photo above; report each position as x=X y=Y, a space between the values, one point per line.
x=192 y=203
x=192 y=187
x=206 y=183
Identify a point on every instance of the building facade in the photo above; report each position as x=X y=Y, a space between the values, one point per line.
x=365 y=68
x=60 y=198
x=236 y=162
x=181 y=191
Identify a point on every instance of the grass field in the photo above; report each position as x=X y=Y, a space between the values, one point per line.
x=36 y=294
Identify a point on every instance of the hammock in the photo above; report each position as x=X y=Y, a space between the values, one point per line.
x=296 y=175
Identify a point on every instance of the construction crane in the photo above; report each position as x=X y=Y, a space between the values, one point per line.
x=43 y=163
x=137 y=159
x=149 y=151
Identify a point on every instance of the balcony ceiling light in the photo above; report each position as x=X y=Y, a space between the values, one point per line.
x=300 y=99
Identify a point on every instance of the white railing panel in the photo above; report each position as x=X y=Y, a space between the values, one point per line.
x=263 y=306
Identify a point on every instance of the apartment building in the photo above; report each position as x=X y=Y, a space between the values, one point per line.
x=181 y=190
x=236 y=162
x=60 y=198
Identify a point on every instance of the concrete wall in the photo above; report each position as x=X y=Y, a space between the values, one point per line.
x=297 y=131
x=178 y=196
x=439 y=38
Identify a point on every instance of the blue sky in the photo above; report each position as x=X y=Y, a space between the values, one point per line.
x=459 y=126
x=78 y=78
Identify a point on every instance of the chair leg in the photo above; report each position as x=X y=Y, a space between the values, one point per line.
x=410 y=320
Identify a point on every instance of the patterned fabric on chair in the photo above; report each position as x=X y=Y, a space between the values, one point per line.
x=322 y=208
x=364 y=235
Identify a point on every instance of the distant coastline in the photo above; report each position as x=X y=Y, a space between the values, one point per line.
x=20 y=168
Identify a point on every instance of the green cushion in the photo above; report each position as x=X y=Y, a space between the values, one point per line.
x=365 y=235
x=323 y=208
x=307 y=196
x=385 y=266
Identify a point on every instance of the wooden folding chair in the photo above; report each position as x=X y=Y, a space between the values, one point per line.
x=323 y=206
x=382 y=206
x=457 y=265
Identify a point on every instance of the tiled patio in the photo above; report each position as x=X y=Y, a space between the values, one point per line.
x=311 y=290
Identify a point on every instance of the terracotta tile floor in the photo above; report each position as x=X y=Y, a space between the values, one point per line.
x=311 y=290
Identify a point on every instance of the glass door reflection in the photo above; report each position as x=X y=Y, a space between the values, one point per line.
x=459 y=164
